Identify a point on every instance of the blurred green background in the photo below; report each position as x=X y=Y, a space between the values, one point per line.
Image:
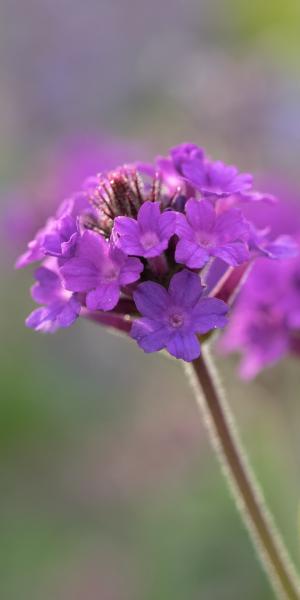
x=108 y=486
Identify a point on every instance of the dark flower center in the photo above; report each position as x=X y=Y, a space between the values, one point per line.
x=205 y=238
x=149 y=239
x=176 y=319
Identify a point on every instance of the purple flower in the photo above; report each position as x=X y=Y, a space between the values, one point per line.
x=265 y=322
x=215 y=178
x=60 y=240
x=147 y=236
x=62 y=308
x=203 y=234
x=100 y=269
x=169 y=174
x=185 y=154
x=57 y=238
x=173 y=317
x=283 y=246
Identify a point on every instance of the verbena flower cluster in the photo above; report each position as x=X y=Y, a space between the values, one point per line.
x=265 y=320
x=149 y=244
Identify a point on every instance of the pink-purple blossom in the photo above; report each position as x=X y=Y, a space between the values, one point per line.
x=211 y=178
x=61 y=307
x=148 y=235
x=99 y=270
x=204 y=234
x=172 y=318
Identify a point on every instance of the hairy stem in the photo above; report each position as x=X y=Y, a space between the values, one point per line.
x=247 y=494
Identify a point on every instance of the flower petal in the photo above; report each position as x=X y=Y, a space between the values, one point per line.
x=200 y=214
x=126 y=226
x=191 y=254
x=183 y=229
x=148 y=216
x=185 y=346
x=231 y=225
x=167 y=224
x=282 y=247
x=92 y=246
x=151 y=300
x=208 y=314
x=234 y=253
x=149 y=334
x=185 y=288
x=79 y=275
x=131 y=271
x=104 y=297
x=46 y=287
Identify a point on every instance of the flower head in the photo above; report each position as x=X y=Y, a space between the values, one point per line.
x=153 y=244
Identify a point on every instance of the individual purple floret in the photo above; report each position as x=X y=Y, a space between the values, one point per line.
x=185 y=154
x=99 y=269
x=149 y=234
x=172 y=318
x=203 y=234
x=60 y=240
x=62 y=308
x=283 y=246
x=210 y=178
x=34 y=251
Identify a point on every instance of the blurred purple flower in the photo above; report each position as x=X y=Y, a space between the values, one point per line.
x=210 y=178
x=185 y=154
x=265 y=319
x=62 y=308
x=58 y=238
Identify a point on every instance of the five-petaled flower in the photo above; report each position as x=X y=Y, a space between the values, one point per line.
x=215 y=178
x=172 y=318
x=149 y=234
x=100 y=269
x=203 y=234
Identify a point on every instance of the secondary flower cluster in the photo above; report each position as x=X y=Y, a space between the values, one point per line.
x=265 y=320
x=146 y=248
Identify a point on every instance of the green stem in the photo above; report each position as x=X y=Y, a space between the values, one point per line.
x=249 y=499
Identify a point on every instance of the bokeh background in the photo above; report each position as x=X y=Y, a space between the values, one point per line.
x=109 y=489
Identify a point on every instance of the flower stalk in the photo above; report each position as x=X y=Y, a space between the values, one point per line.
x=246 y=492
